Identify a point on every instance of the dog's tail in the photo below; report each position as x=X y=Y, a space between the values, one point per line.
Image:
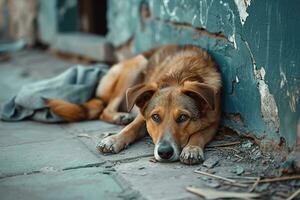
x=73 y=112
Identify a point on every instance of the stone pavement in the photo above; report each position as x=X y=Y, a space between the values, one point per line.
x=60 y=161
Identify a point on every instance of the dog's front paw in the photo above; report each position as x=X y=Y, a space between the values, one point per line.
x=191 y=155
x=123 y=118
x=111 y=144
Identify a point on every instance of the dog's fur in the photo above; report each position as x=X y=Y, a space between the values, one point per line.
x=177 y=92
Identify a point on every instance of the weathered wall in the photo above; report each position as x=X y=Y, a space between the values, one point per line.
x=17 y=20
x=255 y=43
x=58 y=26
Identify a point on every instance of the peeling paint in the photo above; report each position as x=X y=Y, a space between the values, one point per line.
x=172 y=13
x=231 y=18
x=237 y=79
x=268 y=105
x=242 y=6
x=283 y=78
x=201 y=31
x=293 y=100
x=204 y=9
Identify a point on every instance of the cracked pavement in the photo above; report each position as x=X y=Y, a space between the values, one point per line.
x=60 y=161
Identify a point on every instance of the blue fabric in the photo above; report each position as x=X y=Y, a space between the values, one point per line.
x=76 y=85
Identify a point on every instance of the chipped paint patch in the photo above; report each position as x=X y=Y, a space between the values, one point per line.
x=293 y=100
x=204 y=9
x=283 y=78
x=237 y=79
x=171 y=13
x=242 y=6
x=231 y=18
x=268 y=105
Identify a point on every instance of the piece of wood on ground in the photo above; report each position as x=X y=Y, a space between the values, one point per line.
x=85 y=135
x=217 y=194
x=240 y=157
x=271 y=180
x=244 y=177
x=277 y=179
x=254 y=185
x=223 y=144
x=294 y=194
x=230 y=148
x=233 y=182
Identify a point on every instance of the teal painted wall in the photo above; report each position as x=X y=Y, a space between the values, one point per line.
x=259 y=56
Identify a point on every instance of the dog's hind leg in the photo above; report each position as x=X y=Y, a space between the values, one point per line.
x=132 y=132
x=113 y=86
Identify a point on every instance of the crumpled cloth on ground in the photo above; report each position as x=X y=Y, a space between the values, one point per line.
x=76 y=85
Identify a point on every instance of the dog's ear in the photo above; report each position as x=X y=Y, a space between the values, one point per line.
x=140 y=95
x=200 y=91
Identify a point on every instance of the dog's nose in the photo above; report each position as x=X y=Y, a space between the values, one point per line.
x=165 y=151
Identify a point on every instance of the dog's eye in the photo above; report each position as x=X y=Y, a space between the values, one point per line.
x=156 y=118
x=182 y=118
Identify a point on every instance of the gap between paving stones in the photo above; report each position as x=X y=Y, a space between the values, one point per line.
x=32 y=142
x=125 y=160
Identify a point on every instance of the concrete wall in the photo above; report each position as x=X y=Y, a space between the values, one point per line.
x=59 y=27
x=256 y=44
x=17 y=21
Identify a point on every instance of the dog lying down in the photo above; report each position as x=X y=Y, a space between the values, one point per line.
x=172 y=93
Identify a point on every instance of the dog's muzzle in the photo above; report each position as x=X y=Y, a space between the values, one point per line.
x=166 y=151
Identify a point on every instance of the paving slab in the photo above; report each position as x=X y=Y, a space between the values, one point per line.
x=16 y=133
x=85 y=183
x=29 y=146
x=60 y=153
x=160 y=180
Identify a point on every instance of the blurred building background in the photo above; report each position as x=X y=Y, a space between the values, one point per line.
x=256 y=44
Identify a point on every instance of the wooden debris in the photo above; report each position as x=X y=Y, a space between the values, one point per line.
x=236 y=184
x=294 y=195
x=215 y=176
x=152 y=159
x=281 y=194
x=270 y=180
x=243 y=177
x=282 y=178
x=233 y=182
x=240 y=157
x=85 y=135
x=233 y=149
x=254 y=185
x=223 y=144
x=216 y=194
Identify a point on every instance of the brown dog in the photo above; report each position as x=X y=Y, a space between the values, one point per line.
x=177 y=92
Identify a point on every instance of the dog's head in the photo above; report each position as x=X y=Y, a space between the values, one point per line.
x=172 y=114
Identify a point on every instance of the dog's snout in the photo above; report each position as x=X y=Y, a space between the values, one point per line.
x=165 y=151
